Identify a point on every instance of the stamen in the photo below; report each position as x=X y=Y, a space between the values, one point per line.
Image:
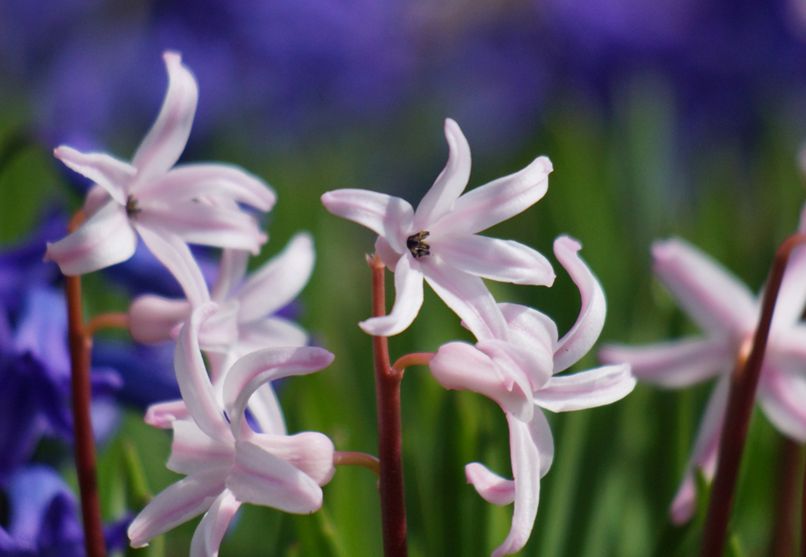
x=417 y=245
x=132 y=207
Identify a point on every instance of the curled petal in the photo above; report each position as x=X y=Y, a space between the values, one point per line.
x=210 y=531
x=387 y=216
x=408 y=300
x=166 y=139
x=493 y=488
x=586 y=389
x=309 y=451
x=104 y=239
x=501 y=260
x=108 y=172
x=528 y=365
x=582 y=336
x=163 y=414
x=451 y=181
x=497 y=201
x=155 y=318
x=529 y=326
x=782 y=393
x=674 y=364
x=193 y=451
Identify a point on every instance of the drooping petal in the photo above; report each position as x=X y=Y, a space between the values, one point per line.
x=586 y=389
x=529 y=326
x=261 y=478
x=210 y=531
x=387 y=216
x=176 y=504
x=408 y=300
x=162 y=414
x=108 y=172
x=155 y=318
x=451 y=181
x=231 y=271
x=193 y=451
x=540 y=431
x=582 y=336
x=266 y=410
x=674 y=364
x=714 y=298
x=497 y=201
x=104 y=239
x=279 y=281
x=166 y=139
x=468 y=297
x=493 y=488
x=501 y=260
x=257 y=368
x=782 y=394
x=309 y=451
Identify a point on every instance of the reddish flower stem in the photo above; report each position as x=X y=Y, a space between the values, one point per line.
x=106 y=321
x=783 y=537
x=413 y=359
x=387 y=396
x=355 y=458
x=741 y=399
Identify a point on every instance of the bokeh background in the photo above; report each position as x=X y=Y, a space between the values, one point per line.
x=667 y=118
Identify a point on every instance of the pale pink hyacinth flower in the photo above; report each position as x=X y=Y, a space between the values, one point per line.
x=225 y=462
x=166 y=206
x=439 y=242
x=520 y=374
x=728 y=313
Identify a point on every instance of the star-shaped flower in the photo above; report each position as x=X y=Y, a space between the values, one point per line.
x=519 y=373
x=439 y=242
x=165 y=205
x=728 y=313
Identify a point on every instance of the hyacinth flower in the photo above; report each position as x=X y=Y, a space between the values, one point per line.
x=226 y=463
x=164 y=205
x=519 y=373
x=728 y=313
x=439 y=242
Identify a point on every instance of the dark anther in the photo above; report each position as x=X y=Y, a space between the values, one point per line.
x=131 y=207
x=417 y=245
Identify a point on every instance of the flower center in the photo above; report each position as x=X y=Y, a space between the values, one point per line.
x=132 y=208
x=417 y=245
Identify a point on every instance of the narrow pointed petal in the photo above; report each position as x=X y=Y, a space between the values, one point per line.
x=210 y=531
x=582 y=336
x=450 y=183
x=194 y=451
x=493 y=488
x=387 y=216
x=178 y=503
x=163 y=414
x=540 y=431
x=261 y=478
x=279 y=281
x=108 y=172
x=494 y=259
x=266 y=410
x=310 y=451
x=674 y=364
x=408 y=300
x=782 y=393
x=104 y=239
x=497 y=201
x=258 y=368
x=154 y=319
x=586 y=389
x=468 y=297
x=530 y=326
x=166 y=139
x=231 y=271
x=715 y=299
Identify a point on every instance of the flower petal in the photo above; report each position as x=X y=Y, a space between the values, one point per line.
x=674 y=364
x=530 y=326
x=386 y=253
x=714 y=298
x=163 y=414
x=193 y=451
x=586 y=389
x=279 y=281
x=166 y=139
x=792 y=295
x=451 y=181
x=104 y=239
x=176 y=504
x=231 y=271
x=108 y=172
x=493 y=488
x=261 y=478
x=408 y=300
x=266 y=410
x=272 y=332
x=309 y=451
x=494 y=259
x=154 y=319
x=582 y=336
x=497 y=201
x=781 y=393
x=210 y=531
x=387 y=216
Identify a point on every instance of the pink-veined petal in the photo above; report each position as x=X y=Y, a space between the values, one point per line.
x=451 y=181
x=261 y=478
x=258 y=368
x=163 y=414
x=155 y=318
x=582 y=336
x=108 y=172
x=387 y=216
x=192 y=450
x=266 y=410
x=166 y=139
x=497 y=201
x=467 y=296
x=310 y=451
x=210 y=531
x=715 y=299
x=493 y=488
x=586 y=389
x=104 y=239
x=782 y=395
x=231 y=271
x=529 y=326
x=674 y=364
x=176 y=504
x=279 y=281
x=408 y=300
x=494 y=259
